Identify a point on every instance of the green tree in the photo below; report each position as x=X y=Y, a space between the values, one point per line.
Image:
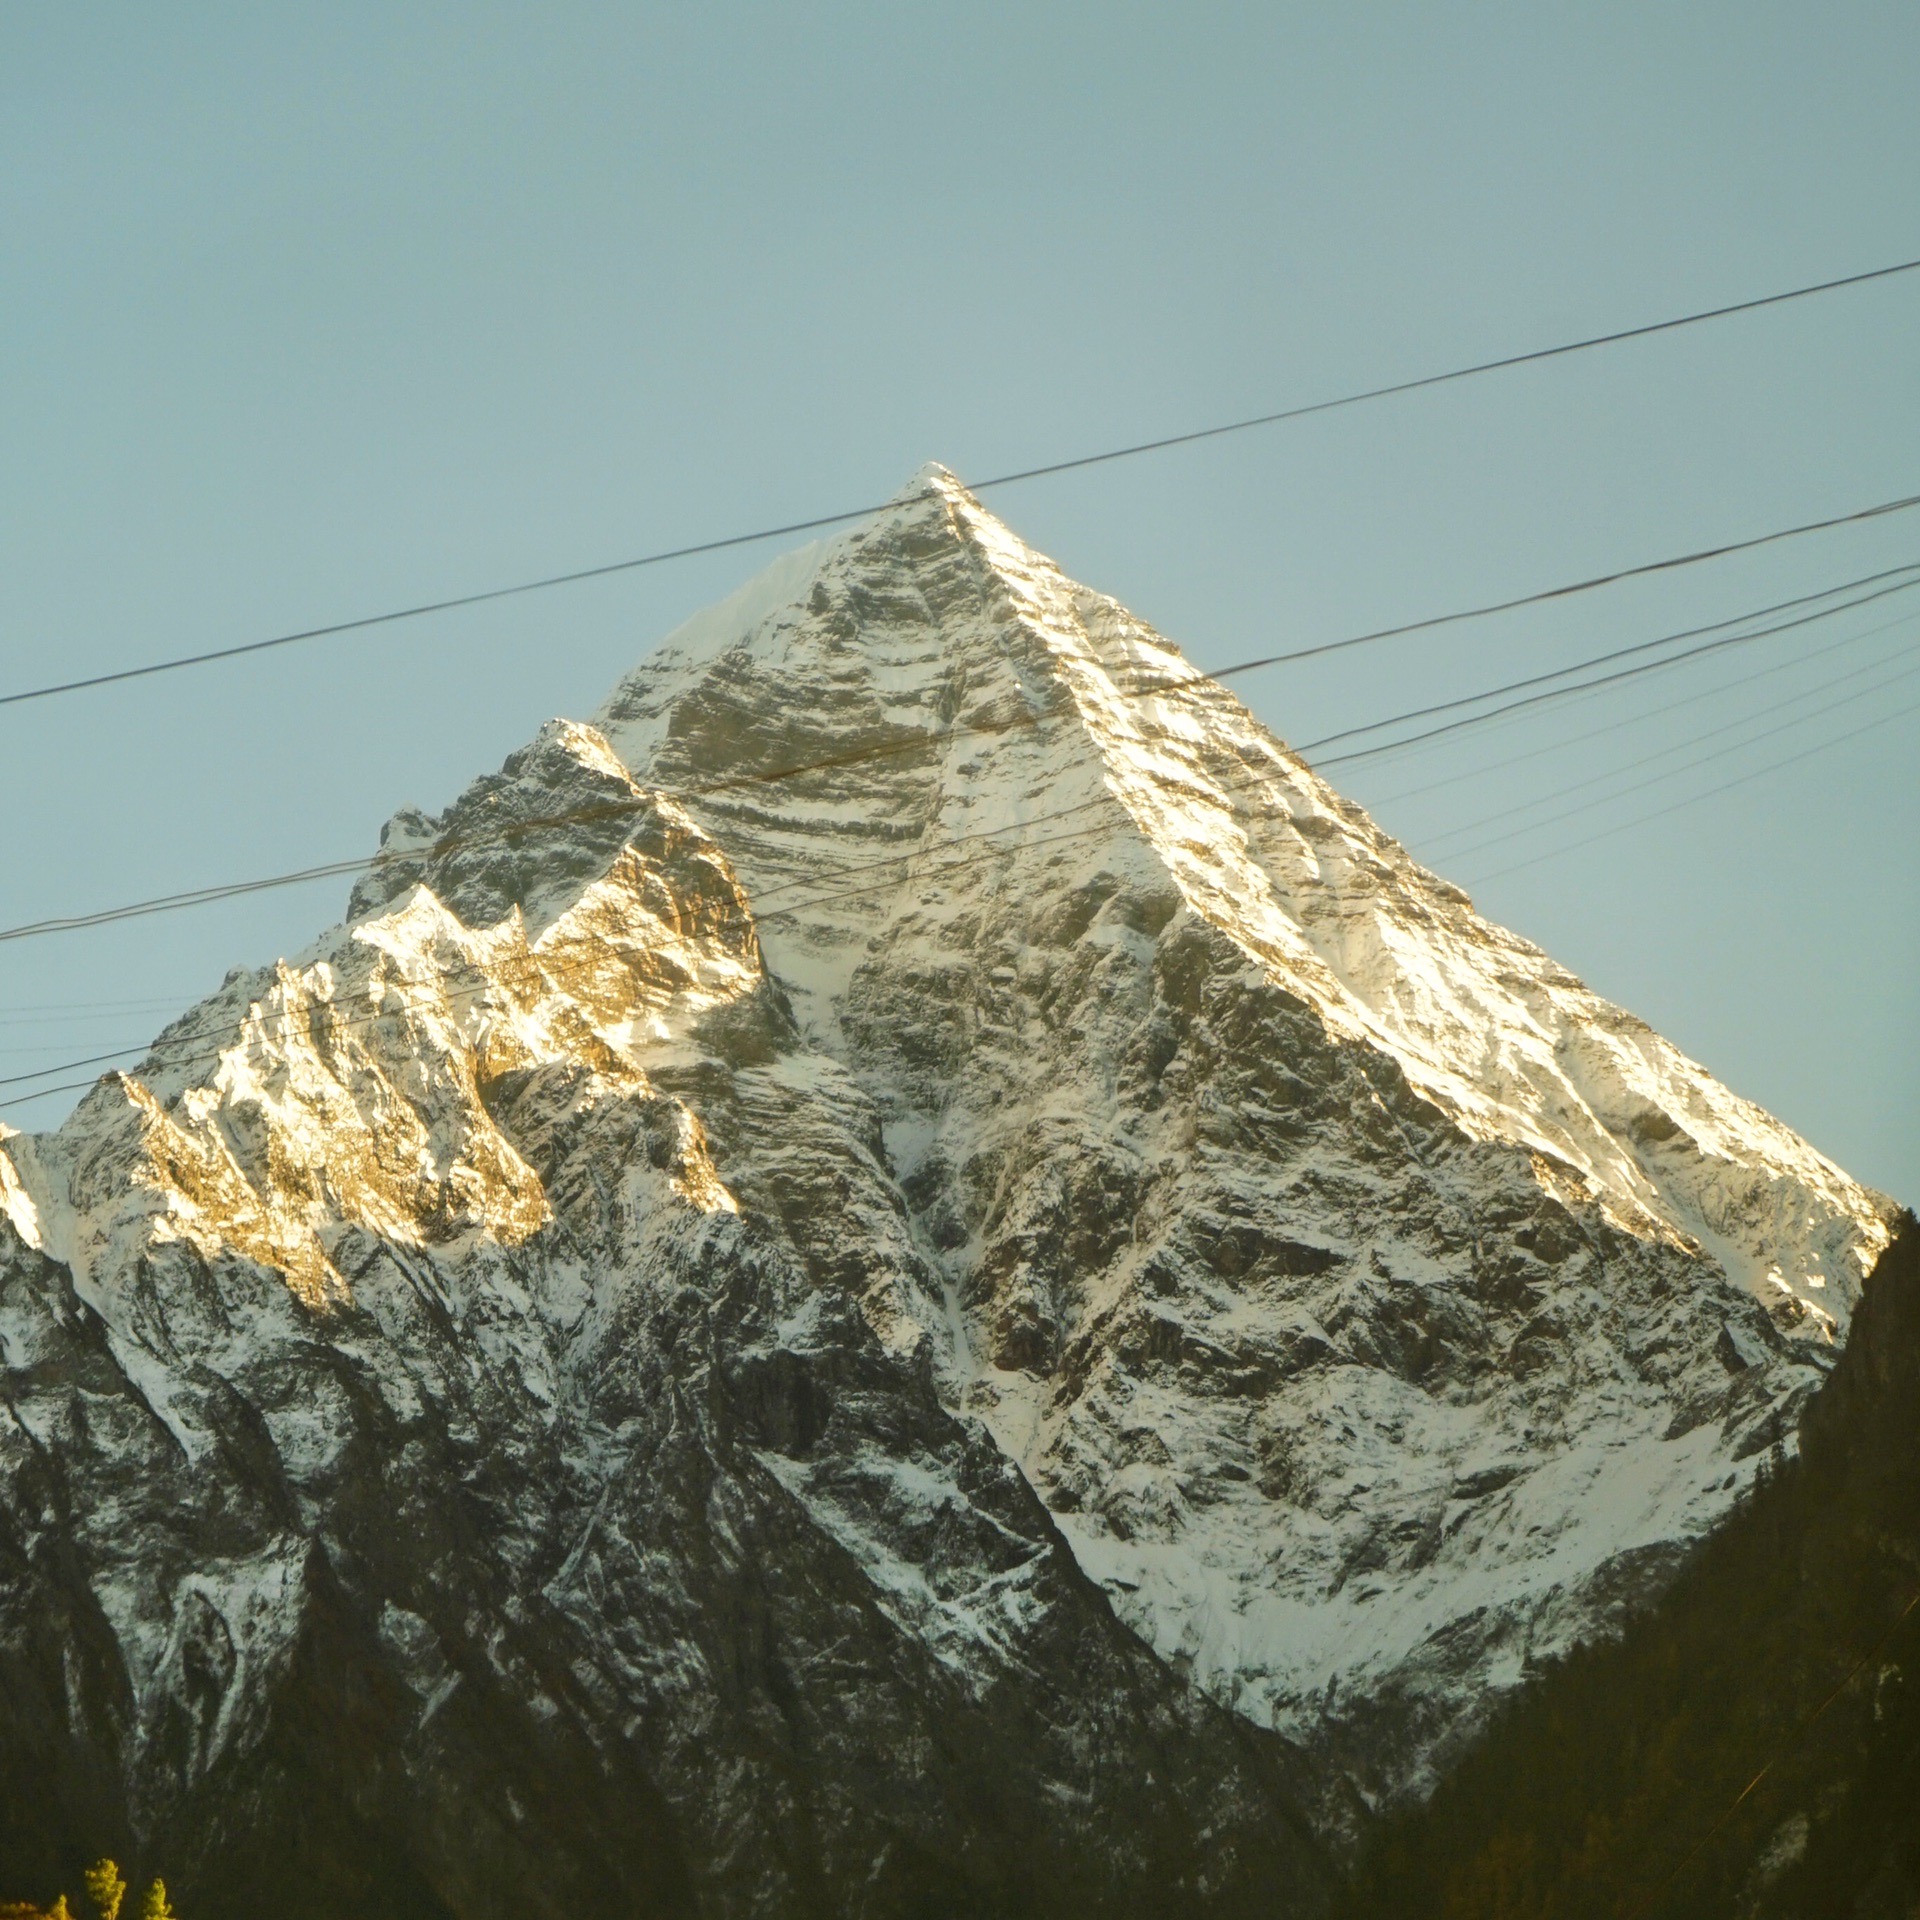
x=155 y=1905
x=105 y=1889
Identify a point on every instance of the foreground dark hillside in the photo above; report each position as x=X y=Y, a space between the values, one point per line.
x=1611 y=1790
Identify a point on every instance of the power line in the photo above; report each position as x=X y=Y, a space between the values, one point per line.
x=919 y=852
x=54 y=1007
x=1578 y=586
x=68 y=1066
x=1616 y=653
x=941 y=851
x=1730 y=726
x=962 y=839
x=1673 y=773
x=194 y=897
x=819 y=522
x=1088 y=832
x=220 y=1036
x=450 y=844
x=1195 y=680
x=1457 y=373
x=234 y=1029
x=1481 y=768
x=1660 y=813
x=947 y=865
x=1588 y=686
x=104 y=1011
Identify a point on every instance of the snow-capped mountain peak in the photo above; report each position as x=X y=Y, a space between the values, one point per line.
x=919 y=1187
x=1052 y=895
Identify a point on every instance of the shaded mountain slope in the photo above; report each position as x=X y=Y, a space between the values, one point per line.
x=1613 y=1788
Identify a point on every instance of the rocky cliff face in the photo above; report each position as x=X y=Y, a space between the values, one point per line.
x=914 y=1274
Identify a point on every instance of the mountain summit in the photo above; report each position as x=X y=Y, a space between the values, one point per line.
x=914 y=1268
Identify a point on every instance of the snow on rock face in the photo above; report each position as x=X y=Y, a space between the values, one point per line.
x=428 y=1484
x=1376 y=1307
x=919 y=1224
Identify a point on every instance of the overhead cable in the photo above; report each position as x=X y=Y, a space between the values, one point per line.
x=1693 y=799
x=920 y=743
x=1799 y=719
x=1587 y=686
x=449 y=603
x=934 y=862
x=1481 y=768
x=1577 y=586
x=1615 y=653
x=1799 y=1733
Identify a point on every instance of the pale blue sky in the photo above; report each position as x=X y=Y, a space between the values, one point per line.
x=308 y=311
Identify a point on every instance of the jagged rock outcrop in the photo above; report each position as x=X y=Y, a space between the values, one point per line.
x=428 y=1489
x=913 y=1275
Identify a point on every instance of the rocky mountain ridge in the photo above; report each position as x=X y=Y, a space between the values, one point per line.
x=914 y=1268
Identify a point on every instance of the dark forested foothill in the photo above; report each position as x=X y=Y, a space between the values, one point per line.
x=1789 y=1652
